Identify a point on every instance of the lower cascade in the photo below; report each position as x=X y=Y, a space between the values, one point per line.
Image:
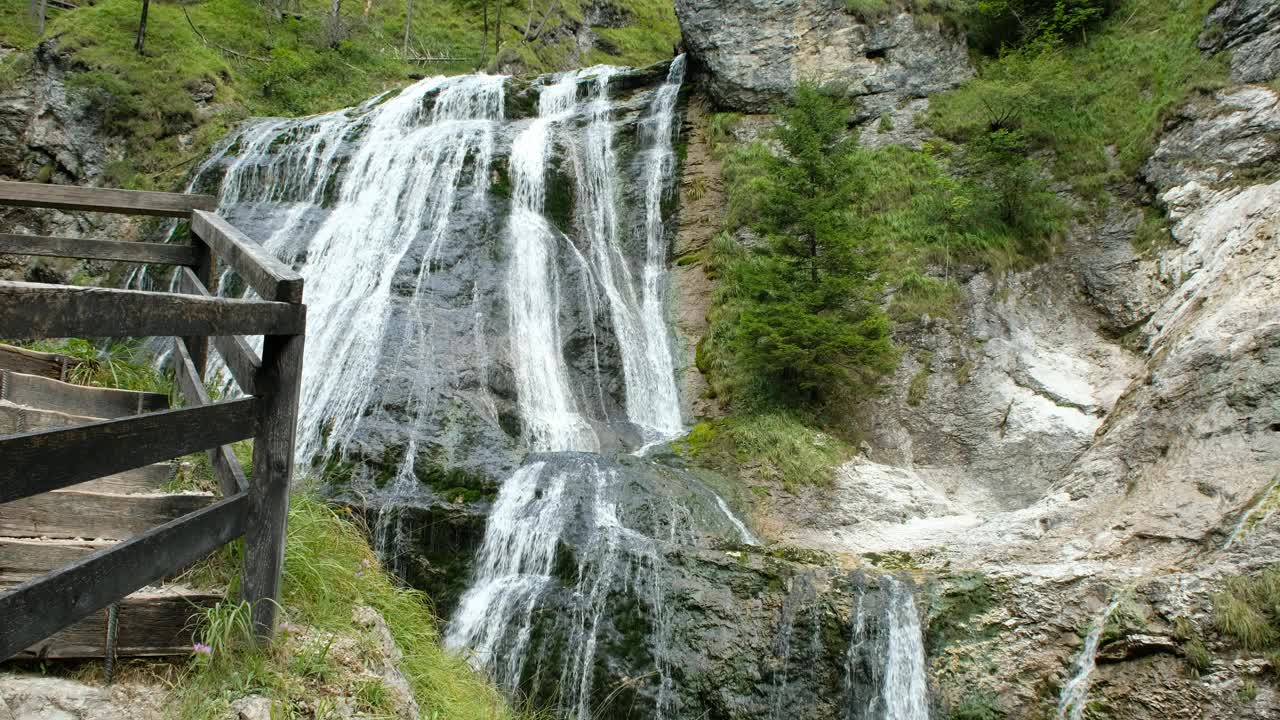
x=491 y=378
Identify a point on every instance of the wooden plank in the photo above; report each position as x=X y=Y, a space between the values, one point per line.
x=135 y=252
x=36 y=609
x=278 y=387
x=44 y=460
x=50 y=365
x=15 y=419
x=132 y=202
x=202 y=274
x=38 y=310
x=46 y=394
x=146 y=479
x=260 y=269
x=225 y=465
x=149 y=624
x=72 y=514
x=240 y=359
x=27 y=558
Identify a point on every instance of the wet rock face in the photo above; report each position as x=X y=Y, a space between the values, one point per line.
x=48 y=134
x=1250 y=31
x=754 y=52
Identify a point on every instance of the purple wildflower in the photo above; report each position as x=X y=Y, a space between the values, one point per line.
x=202 y=648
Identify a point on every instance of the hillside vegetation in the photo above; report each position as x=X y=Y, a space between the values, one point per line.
x=206 y=65
x=1072 y=97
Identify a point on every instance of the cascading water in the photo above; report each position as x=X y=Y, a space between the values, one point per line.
x=547 y=405
x=494 y=616
x=884 y=665
x=1075 y=693
x=487 y=292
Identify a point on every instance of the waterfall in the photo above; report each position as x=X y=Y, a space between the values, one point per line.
x=1072 y=701
x=402 y=179
x=551 y=420
x=884 y=665
x=647 y=366
x=743 y=532
x=905 y=688
x=656 y=405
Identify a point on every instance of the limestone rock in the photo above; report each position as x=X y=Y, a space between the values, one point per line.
x=252 y=707
x=754 y=52
x=27 y=697
x=1226 y=140
x=1250 y=30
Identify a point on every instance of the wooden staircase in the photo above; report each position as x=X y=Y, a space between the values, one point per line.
x=44 y=532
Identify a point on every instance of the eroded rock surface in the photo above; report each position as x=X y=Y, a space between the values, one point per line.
x=755 y=52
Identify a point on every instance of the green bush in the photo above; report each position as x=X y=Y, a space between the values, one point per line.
x=329 y=568
x=780 y=446
x=996 y=24
x=1248 y=610
x=1097 y=106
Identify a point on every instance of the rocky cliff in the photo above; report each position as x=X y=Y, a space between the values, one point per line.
x=1097 y=426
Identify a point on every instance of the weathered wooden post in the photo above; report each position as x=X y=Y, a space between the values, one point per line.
x=277 y=384
x=203 y=269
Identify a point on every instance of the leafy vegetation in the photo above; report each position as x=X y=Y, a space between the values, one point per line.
x=119 y=363
x=329 y=571
x=798 y=318
x=1096 y=106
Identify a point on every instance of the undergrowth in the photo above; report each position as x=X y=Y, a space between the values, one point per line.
x=209 y=64
x=1097 y=106
x=119 y=363
x=774 y=446
x=329 y=570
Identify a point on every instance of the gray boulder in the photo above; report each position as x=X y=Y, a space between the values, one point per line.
x=754 y=52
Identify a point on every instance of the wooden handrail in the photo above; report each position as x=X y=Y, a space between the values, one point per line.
x=36 y=462
x=40 y=607
x=271 y=278
x=241 y=360
x=42 y=460
x=226 y=466
x=39 y=310
x=131 y=202
x=139 y=252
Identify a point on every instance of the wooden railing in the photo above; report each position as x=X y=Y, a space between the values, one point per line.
x=40 y=461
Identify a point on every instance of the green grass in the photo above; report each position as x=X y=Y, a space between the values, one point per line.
x=776 y=446
x=123 y=363
x=329 y=570
x=257 y=66
x=1098 y=106
x=1247 y=610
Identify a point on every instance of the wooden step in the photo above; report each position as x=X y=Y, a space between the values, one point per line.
x=24 y=558
x=144 y=480
x=16 y=419
x=50 y=365
x=153 y=622
x=74 y=514
x=43 y=393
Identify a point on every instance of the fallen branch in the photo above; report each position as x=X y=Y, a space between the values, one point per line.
x=216 y=46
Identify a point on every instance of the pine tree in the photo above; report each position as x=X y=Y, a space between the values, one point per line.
x=809 y=325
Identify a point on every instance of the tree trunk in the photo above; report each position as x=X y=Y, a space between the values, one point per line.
x=38 y=10
x=497 y=31
x=408 y=23
x=142 y=27
x=484 y=40
x=813 y=259
x=335 y=23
